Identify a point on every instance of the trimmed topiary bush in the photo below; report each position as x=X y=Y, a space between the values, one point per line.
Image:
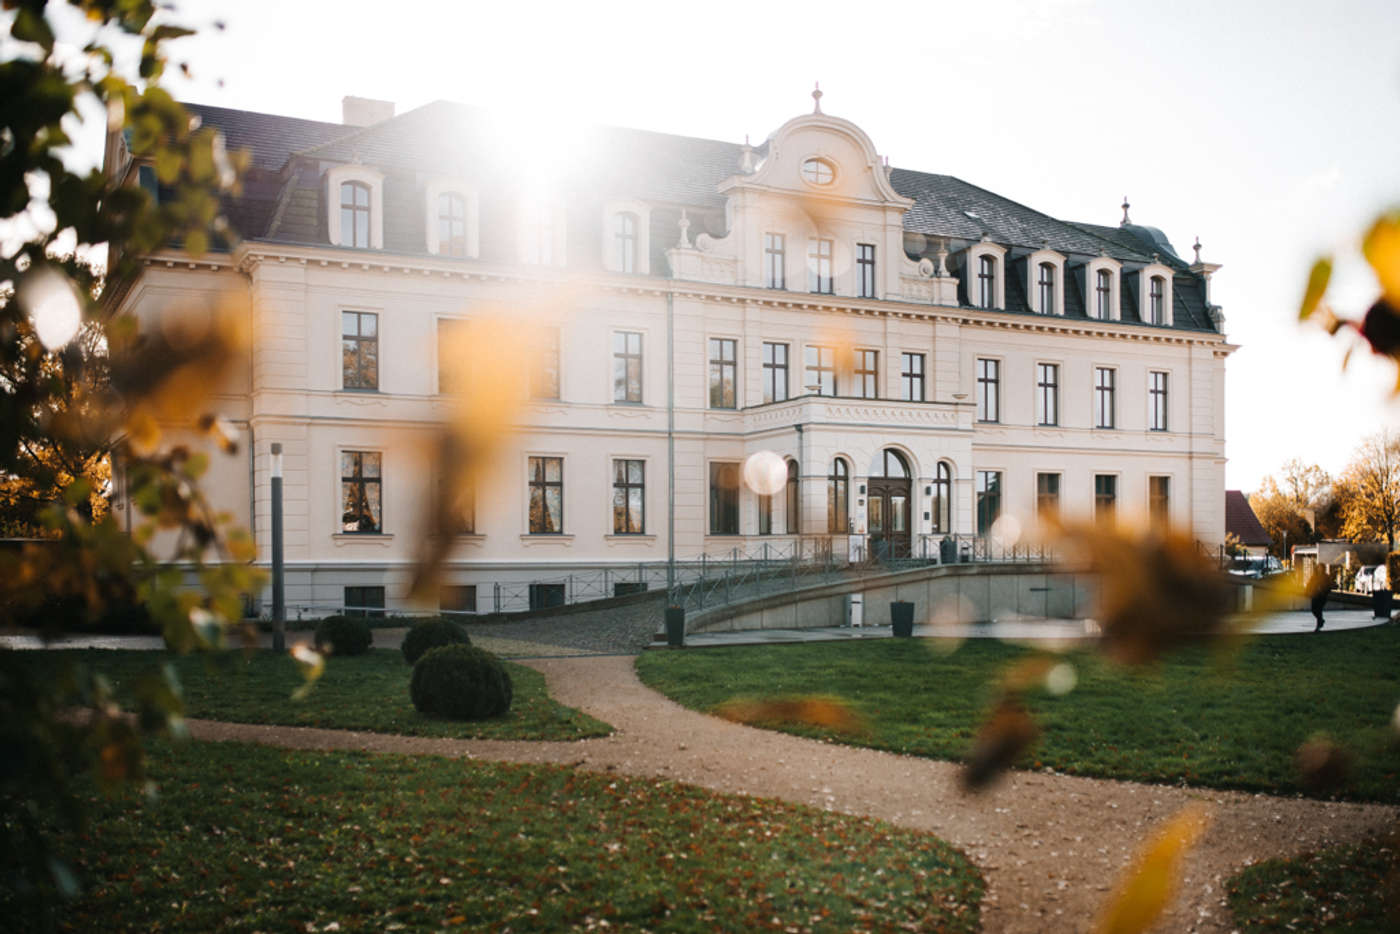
x=430 y=634
x=344 y=635
x=460 y=682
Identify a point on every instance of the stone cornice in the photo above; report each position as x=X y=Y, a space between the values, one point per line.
x=250 y=254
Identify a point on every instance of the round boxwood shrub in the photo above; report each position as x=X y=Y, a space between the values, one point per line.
x=430 y=634
x=460 y=682
x=344 y=635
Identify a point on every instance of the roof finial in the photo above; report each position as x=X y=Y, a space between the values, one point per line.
x=1126 y=222
x=1197 y=247
x=817 y=97
x=746 y=161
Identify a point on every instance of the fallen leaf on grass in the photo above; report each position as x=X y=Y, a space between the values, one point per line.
x=1150 y=881
x=829 y=713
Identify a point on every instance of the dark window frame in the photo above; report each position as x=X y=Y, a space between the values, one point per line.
x=625 y=483
x=942 y=505
x=1105 y=497
x=724 y=372
x=1046 y=282
x=724 y=498
x=988 y=488
x=1157 y=400
x=1105 y=397
x=823 y=368
x=355 y=498
x=774 y=261
x=356 y=212
x=820 y=254
x=838 y=497
x=988 y=390
x=363 y=601
x=539 y=485
x=793 y=489
x=1047 y=394
x=912 y=377
x=865 y=374
x=865 y=269
x=1047 y=501
x=775 y=372
x=987 y=281
x=627 y=367
x=359 y=352
x=1156 y=300
x=1103 y=294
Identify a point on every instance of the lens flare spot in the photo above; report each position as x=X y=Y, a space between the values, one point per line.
x=1061 y=679
x=54 y=309
x=1006 y=531
x=765 y=473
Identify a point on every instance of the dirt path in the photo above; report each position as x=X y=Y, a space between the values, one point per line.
x=1050 y=846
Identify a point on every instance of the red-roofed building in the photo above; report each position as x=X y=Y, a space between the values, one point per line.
x=1241 y=522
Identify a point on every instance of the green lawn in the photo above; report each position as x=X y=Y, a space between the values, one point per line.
x=363 y=692
x=1349 y=888
x=250 y=838
x=1229 y=722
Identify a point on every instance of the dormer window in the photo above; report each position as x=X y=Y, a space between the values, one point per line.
x=452 y=224
x=354 y=214
x=1103 y=295
x=625 y=241
x=818 y=172
x=1047 y=289
x=1156 y=309
x=986 y=281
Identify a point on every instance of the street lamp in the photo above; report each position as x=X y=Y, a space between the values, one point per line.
x=279 y=603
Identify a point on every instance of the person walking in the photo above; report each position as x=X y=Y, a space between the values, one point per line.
x=1319 y=588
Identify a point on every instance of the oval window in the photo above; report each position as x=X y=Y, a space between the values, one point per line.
x=818 y=171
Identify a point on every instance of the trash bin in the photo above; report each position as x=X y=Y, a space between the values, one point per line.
x=948 y=551
x=855 y=610
x=902 y=618
x=675 y=627
x=1380 y=604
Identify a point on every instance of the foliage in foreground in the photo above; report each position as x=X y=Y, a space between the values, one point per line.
x=276 y=840
x=1228 y=721
x=364 y=692
x=1351 y=888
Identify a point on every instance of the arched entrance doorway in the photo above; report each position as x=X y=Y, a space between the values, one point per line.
x=887 y=506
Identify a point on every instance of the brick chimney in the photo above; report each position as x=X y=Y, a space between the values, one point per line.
x=362 y=111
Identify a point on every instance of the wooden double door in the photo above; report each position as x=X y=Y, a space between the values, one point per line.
x=887 y=508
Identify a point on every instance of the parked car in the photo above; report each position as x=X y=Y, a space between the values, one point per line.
x=1255 y=566
x=1363 y=582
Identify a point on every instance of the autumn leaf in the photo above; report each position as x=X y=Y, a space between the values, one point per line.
x=1381 y=247
x=1151 y=879
x=1006 y=735
x=826 y=712
x=1318 y=277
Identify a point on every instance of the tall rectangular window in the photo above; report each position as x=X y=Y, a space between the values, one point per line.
x=451 y=369
x=1103 y=295
x=1159 y=501
x=544 y=378
x=724 y=354
x=627 y=366
x=775 y=372
x=1047 y=495
x=986 y=281
x=354 y=214
x=820 y=369
x=988 y=500
x=865 y=270
x=774 y=261
x=1157 y=401
x=724 y=499
x=1104 y=403
x=765 y=514
x=1157 y=309
x=452 y=224
x=359 y=349
x=364 y=602
x=546 y=495
x=1047 y=393
x=1047 y=288
x=625 y=241
x=361 y=492
x=629 y=497
x=838 y=497
x=866 y=372
x=988 y=390
x=1105 y=497
x=819 y=266
x=911 y=377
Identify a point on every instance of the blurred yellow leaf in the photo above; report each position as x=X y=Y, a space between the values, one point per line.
x=1147 y=886
x=826 y=712
x=142 y=432
x=311 y=664
x=1318 y=277
x=1381 y=247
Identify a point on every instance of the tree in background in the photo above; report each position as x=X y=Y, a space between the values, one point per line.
x=1288 y=507
x=1369 y=491
x=80 y=387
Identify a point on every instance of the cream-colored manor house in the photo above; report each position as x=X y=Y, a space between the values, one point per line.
x=921 y=356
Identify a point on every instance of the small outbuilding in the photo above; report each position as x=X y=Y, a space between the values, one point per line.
x=1241 y=522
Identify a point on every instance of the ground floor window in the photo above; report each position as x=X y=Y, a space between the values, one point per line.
x=1105 y=497
x=1047 y=495
x=1159 y=500
x=364 y=602
x=724 y=499
x=544 y=596
x=988 y=499
x=361 y=485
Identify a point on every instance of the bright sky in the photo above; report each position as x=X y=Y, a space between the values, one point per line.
x=1271 y=128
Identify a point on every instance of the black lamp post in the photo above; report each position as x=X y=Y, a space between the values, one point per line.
x=279 y=601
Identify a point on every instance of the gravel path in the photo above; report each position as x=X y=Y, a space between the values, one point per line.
x=1051 y=846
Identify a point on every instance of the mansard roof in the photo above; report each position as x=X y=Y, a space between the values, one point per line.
x=284 y=201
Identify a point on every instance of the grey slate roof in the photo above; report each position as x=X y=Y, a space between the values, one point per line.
x=284 y=196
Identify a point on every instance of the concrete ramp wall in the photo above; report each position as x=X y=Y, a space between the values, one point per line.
x=966 y=593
